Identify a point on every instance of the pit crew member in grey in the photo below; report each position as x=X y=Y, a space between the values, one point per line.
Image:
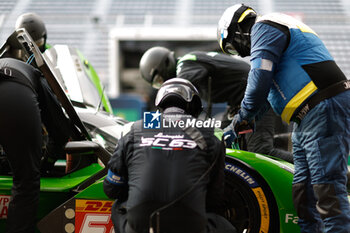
x=169 y=179
x=26 y=101
x=293 y=70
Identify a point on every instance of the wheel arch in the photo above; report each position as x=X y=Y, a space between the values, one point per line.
x=277 y=176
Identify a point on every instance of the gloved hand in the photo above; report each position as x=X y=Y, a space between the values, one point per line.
x=229 y=136
x=230 y=132
x=237 y=127
x=46 y=165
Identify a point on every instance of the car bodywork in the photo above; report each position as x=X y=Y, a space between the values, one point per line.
x=258 y=191
x=92 y=107
x=76 y=74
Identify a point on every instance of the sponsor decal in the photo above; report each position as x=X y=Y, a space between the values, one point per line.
x=114 y=178
x=242 y=174
x=258 y=192
x=264 y=209
x=302 y=113
x=168 y=142
x=4 y=206
x=93 y=216
x=291 y=218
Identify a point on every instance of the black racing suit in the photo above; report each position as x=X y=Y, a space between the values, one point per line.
x=26 y=102
x=228 y=76
x=152 y=167
x=228 y=83
x=262 y=140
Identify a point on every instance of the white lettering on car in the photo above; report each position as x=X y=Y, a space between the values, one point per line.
x=291 y=218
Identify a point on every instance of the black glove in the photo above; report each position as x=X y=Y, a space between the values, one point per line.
x=46 y=165
x=236 y=128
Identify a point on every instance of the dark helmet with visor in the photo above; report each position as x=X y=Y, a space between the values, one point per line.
x=157 y=65
x=178 y=92
x=35 y=26
x=233 y=32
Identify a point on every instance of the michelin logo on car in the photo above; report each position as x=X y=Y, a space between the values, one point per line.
x=154 y=120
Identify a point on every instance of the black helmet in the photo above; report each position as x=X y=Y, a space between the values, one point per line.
x=35 y=27
x=179 y=92
x=233 y=32
x=157 y=65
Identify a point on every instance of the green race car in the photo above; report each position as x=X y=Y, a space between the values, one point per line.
x=258 y=191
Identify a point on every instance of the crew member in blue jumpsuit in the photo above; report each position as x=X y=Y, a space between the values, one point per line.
x=292 y=70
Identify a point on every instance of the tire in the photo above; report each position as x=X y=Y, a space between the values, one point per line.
x=250 y=204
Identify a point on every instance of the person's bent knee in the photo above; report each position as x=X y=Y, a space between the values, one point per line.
x=300 y=201
x=328 y=203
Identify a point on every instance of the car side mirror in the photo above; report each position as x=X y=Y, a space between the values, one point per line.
x=75 y=147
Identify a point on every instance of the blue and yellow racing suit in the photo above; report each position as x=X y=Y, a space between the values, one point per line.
x=290 y=64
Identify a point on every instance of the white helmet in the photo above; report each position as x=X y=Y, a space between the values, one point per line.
x=233 y=32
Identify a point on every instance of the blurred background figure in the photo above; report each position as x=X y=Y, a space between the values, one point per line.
x=35 y=26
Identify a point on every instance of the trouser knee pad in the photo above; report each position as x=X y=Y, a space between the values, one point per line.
x=328 y=203
x=300 y=200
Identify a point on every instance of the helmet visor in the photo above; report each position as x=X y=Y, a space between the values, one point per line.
x=157 y=82
x=40 y=42
x=230 y=49
x=224 y=23
x=185 y=92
